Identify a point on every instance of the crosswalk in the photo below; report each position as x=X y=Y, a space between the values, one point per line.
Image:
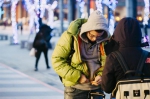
x=16 y=85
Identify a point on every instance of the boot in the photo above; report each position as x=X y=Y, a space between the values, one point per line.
x=36 y=69
x=48 y=67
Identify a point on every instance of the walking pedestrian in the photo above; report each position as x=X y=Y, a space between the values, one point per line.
x=79 y=56
x=41 y=44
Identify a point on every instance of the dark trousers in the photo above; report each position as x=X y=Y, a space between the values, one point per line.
x=38 y=54
x=73 y=93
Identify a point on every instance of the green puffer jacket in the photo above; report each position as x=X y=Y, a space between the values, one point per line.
x=71 y=71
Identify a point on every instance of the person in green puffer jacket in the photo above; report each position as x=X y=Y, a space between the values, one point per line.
x=81 y=73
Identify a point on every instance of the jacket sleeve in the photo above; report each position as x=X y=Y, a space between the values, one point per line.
x=108 y=76
x=59 y=59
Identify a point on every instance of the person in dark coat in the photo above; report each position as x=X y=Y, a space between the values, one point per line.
x=127 y=37
x=42 y=44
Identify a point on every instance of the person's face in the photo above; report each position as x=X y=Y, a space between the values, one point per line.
x=94 y=35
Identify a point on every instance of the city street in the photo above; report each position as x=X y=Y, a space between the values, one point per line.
x=19 y=59
x=19 y=21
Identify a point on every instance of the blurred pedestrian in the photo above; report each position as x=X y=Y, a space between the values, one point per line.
x=79 y=56
x=21 y=28
x=5 y=24
x=42 y=43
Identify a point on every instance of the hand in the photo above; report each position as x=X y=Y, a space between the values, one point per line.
x=83 y=79
x=97 y=80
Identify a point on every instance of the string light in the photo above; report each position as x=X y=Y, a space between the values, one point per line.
x=34 y=11
x=6 y=5
x=42 y=8
x=112 y=5
x=99 y=5
x=13 y=19
x=30 y=8
x=50 y=8
x=1 y=2
x=81 y=5
x=146 y=12
x=37 y=11
x=146 y=18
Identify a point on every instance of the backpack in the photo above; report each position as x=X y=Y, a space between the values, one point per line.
x=40 y=41
x=135 y=86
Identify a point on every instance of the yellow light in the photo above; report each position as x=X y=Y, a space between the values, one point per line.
x=139 y=18
x=117 y=18
x=105 y=15
x=9 y=21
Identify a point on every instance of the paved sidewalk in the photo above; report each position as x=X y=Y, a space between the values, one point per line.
x=16 y=85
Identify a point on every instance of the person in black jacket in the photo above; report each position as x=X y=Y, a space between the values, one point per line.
x=127 y=37
x=42 y=44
